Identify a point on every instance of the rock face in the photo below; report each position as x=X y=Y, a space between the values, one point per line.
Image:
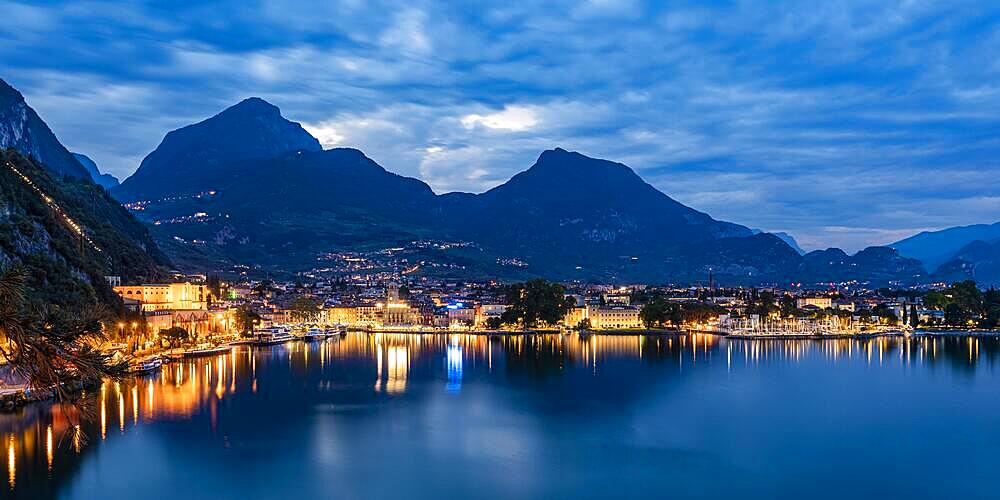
x=185 y=160
x=67 y=266
x=107 y=181
x=22 y=129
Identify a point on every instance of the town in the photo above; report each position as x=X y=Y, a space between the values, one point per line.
x=202 y=312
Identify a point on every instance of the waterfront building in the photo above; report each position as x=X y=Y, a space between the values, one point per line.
x=604 y=317
x=486 y=312
x=817 y=302
x=613 y=317
x=369 y=316
x=167 y=296
x=574 y=316
x=339 y=315
x=399 y=315
x=461 y=317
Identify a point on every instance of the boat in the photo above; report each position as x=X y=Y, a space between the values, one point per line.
x=206 y=350
x=271 y=336
x=314 y=333
x=145 y=365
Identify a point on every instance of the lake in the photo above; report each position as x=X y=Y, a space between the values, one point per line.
x=462 y=416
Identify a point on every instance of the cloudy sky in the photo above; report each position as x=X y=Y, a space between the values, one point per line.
x=843 y=123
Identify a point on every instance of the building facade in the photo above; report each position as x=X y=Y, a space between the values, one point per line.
x=167 y=296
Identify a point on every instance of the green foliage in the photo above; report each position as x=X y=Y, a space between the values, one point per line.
x=762 y=303
x=885 y=313
x=535 y=302
x=64 y=269
x=658 y=313
x=965 y=305
x=787 y=306
x=304 y=309
x=48 y=344
x=245 y=320
x=174 y=335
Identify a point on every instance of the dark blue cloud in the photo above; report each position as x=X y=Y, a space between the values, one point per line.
x=842 y=123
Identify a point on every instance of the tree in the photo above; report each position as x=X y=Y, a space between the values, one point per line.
x=245 y=319
x=304 y=309
x=174 y=335
x=885 y=313
x=535 y=302
x=761 y=303
x=936 y=300
x=699 y=313
x=914 y=317
x=788 y=306
x=658 y=312
x=48 y=345
x=583 y=325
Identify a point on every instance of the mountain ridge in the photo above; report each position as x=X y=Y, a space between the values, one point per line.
x=250 y=129
x=934 y=248
x=567 y=216
x=22 y=129
x=107 y=181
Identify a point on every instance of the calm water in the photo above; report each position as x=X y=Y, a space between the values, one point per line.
x=455 y=416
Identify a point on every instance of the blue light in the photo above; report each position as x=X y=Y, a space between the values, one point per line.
x=454 y=362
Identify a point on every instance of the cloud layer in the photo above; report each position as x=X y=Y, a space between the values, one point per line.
x=842 y=123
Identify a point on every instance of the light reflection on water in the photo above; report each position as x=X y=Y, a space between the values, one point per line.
x=234 y=401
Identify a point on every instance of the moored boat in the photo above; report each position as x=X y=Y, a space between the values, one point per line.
x=314 y=333
x=145 y=365
x=271 y=336
x=206 y=350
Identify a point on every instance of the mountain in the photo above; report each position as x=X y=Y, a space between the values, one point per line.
x=187 y=160
x=247 y=186
x=934 y=248
x=978 y=261
x=286 y=210
x=72 y=239
x=873 y=264
x=23 y=130
x=787 y=238
x=574 y=216
x=107 y=181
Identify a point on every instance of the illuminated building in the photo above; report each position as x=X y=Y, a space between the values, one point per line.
x=486 y=312
x=820 y=302
x=574 y=316
x=604 y=317
x=346 y=316
x=168 y=296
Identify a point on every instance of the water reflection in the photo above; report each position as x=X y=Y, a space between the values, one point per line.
x=45 y=446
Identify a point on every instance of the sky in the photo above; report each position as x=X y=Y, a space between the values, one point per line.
x=842 y=123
